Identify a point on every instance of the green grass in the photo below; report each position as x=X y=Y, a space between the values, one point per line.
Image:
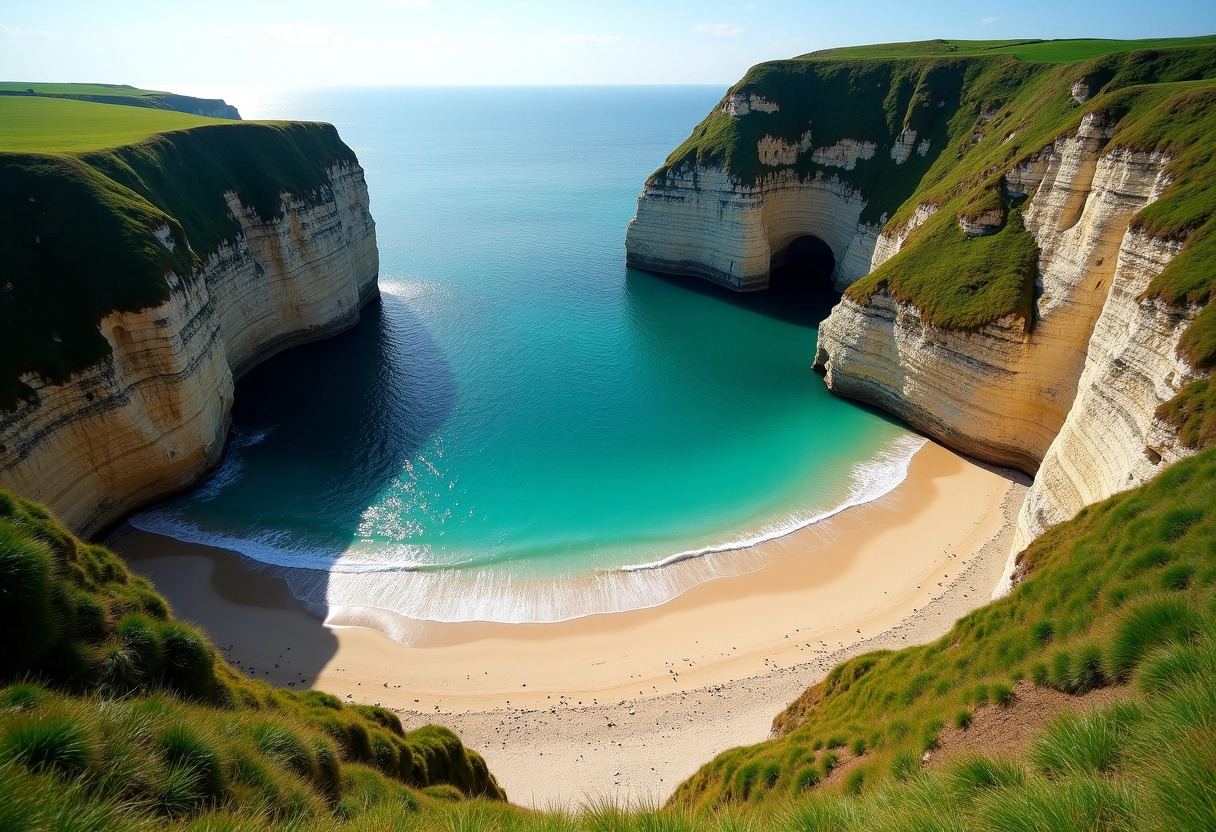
x=1042 y=51
x=75 y=754
x=49 y=125
x=961 y=282
x=101 y=687
x=77 y=228
x=120 y=94
x=122 y=90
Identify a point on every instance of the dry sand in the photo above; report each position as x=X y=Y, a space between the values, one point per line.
x=630 y=704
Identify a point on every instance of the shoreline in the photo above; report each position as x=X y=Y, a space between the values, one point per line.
x=618 y=704
x=392 y=596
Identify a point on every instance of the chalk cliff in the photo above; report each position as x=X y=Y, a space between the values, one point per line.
x=1112 y=439
x=152 y=417
x=1002 y=265
x=702 y=221
x=1002 y=393
x=771 y=164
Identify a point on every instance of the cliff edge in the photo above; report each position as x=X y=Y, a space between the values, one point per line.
x=125 y=95
x=144 y=280
x=1023 y=242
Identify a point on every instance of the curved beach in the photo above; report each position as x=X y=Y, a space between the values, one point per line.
x=546 y=703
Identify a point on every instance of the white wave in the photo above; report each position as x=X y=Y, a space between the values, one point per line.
x=872 y=480
x=275 y=548
x=229 y=471
x=394 y=588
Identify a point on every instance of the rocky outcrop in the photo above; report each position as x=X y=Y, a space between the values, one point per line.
x=1003 y=393
x=703 y=221
x=985 y=222
x=892 y=239
x=741 y=103
x=152 y=417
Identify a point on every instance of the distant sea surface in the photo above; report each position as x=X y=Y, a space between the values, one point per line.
x=523 y=429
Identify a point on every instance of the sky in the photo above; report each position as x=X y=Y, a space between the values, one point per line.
x=209 y=46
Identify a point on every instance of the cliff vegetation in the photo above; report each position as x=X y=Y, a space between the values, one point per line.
x=113 y=714
x=988 y=107
x=102 y=206
x=977 y=111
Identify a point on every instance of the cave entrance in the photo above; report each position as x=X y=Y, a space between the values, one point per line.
x=800 y=276
x=806 y=263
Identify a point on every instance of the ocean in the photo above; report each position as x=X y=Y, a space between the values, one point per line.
x=523 y=429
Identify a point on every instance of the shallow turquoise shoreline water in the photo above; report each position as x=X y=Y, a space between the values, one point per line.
x=521 y=412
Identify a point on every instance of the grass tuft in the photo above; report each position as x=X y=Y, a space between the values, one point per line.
x=54 y=743
x=1153 y=623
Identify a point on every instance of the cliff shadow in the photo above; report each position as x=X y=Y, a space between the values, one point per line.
x=317 y=433
x=322 y=428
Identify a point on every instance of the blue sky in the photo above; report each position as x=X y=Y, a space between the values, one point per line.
x=304 y=43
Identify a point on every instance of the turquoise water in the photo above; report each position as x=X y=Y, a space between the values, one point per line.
x=521 y=412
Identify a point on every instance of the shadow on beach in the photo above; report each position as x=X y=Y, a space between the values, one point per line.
x=336 y=420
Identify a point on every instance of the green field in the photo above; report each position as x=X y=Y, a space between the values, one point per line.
x=1044 y=51
x=55 y=125
x=79 y=89
x=121 y=94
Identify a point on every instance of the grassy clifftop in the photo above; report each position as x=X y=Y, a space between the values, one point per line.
x=1061 y=51
x=984 y=108
x=84 y=188
x=115 y=715
x=125 y=95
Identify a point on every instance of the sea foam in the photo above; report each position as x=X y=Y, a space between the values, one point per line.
x=392 y=588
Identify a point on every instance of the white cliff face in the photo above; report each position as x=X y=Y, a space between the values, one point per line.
x=773 y=152
x=904 y=143
x=1112 y=440
x=153 y=417
x=960 y=388
x=702 y=221
x=1002 y=394
x=740 y=104
x=891 y=240
x=846 y=153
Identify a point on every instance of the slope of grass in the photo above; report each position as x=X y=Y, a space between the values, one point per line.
x=122 y=94
x=50 y=125
x=1130 y=576
x=1193 y=414
x=131 y=708
x=962 y=282
x=77 y=229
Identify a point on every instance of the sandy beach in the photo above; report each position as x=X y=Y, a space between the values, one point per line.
x=629 y=704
